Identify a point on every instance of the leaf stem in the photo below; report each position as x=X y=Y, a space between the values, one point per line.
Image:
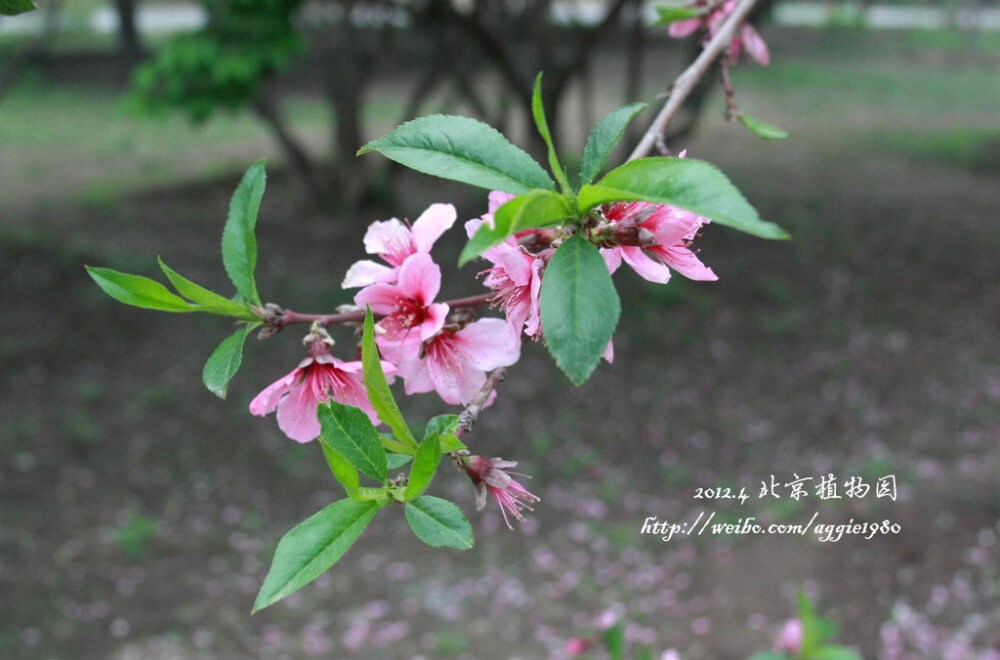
x=277 y=317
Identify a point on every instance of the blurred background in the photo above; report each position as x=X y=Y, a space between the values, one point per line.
x=139 y=513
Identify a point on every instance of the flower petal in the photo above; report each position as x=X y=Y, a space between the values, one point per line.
x=755 y=46
x=297 y=412
x=684 y=28
x=268 y=399
x=612 y=257
x=484 y=344
x=436 y=220
x=365 y=272
x=649 y=269
x=420 y=278
x=685 y=262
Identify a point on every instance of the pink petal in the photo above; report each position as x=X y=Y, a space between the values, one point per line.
x=484 y=344
x=383 y=298
x=685 y=262
x=388 y=237
x=612 y=257
x=366 y=272
x=498 y=199
x=268 y=399
x=649 y=269
x=684 y=28
x=531 y=327
x=609 y=352
x=436 y=316
x=516 y=263
x=297 y=413
x=756 y=48
x=436 y=220
x=671 y=225
x=420 y=278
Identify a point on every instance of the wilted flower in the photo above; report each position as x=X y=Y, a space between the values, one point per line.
x=318 y=378
x=394 y=241
x=490 y=476
x=650 y=237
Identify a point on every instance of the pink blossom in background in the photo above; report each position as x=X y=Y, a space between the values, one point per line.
x=790 y=637
x=578 y=646
x=660 y=236
x=394 y=241
x=318 y=378
x=491 y=477
x=407 y=307
x=746 y=37
x=452 y=362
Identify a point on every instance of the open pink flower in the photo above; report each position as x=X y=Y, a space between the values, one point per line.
x=746 y=37
x=651 y=237
x=516 y=275
x=578 y=646
x=394 y=241
x=491 y=477
x=452 y=362
x=318 y=378
x=408 y=306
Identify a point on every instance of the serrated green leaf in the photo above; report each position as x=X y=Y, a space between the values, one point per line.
x=239 y=243
x=763 y=129
x=462 y=149
x=377 y=386
x=683 y=182
x=395 y=461
x=440 y=425
x=342 y=470
x=138 y=291
x=309 y=549
x=351 y=434
x=538 y=112
x=580 y=307
x=15 y=7
x=673 y=14
x=208 y=301
x=439 y=523
x=603 y=139
x=225 y=361
x=538 y=208
x=834 y=652
x=425 y=464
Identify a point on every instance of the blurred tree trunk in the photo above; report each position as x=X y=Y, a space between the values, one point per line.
x=128 y=34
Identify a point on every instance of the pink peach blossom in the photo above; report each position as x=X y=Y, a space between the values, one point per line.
x=745 y=38
x=394 y=241
x=318 y=378
x=651 y=237
x=790 y=638
x=407 y=307
x=452 y=362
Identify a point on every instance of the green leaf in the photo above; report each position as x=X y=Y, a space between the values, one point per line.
x=539 y=208
x=684 y=182
x=614 y=640
x=603 y=139
x=225 y=361
x=440 y=425
x=377 y=386
x=580 y=307
x=450 y=443
x=342 y=470
x=673 y=14
x=439 y=523
x=397 y=460
x=462 y=149
x=138 y=290
x=239 y=245
x=312 y=547
x=538 y=112
x=834 y=652
x=768 y=655
x=208 y=301
x=351 y=434
x=15 y=7
x=425 y=464
x=763 y=129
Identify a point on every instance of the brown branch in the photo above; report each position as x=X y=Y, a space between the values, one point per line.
x=467 y=418
x=277 y=318
x=731 y=111
x=685 y=82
